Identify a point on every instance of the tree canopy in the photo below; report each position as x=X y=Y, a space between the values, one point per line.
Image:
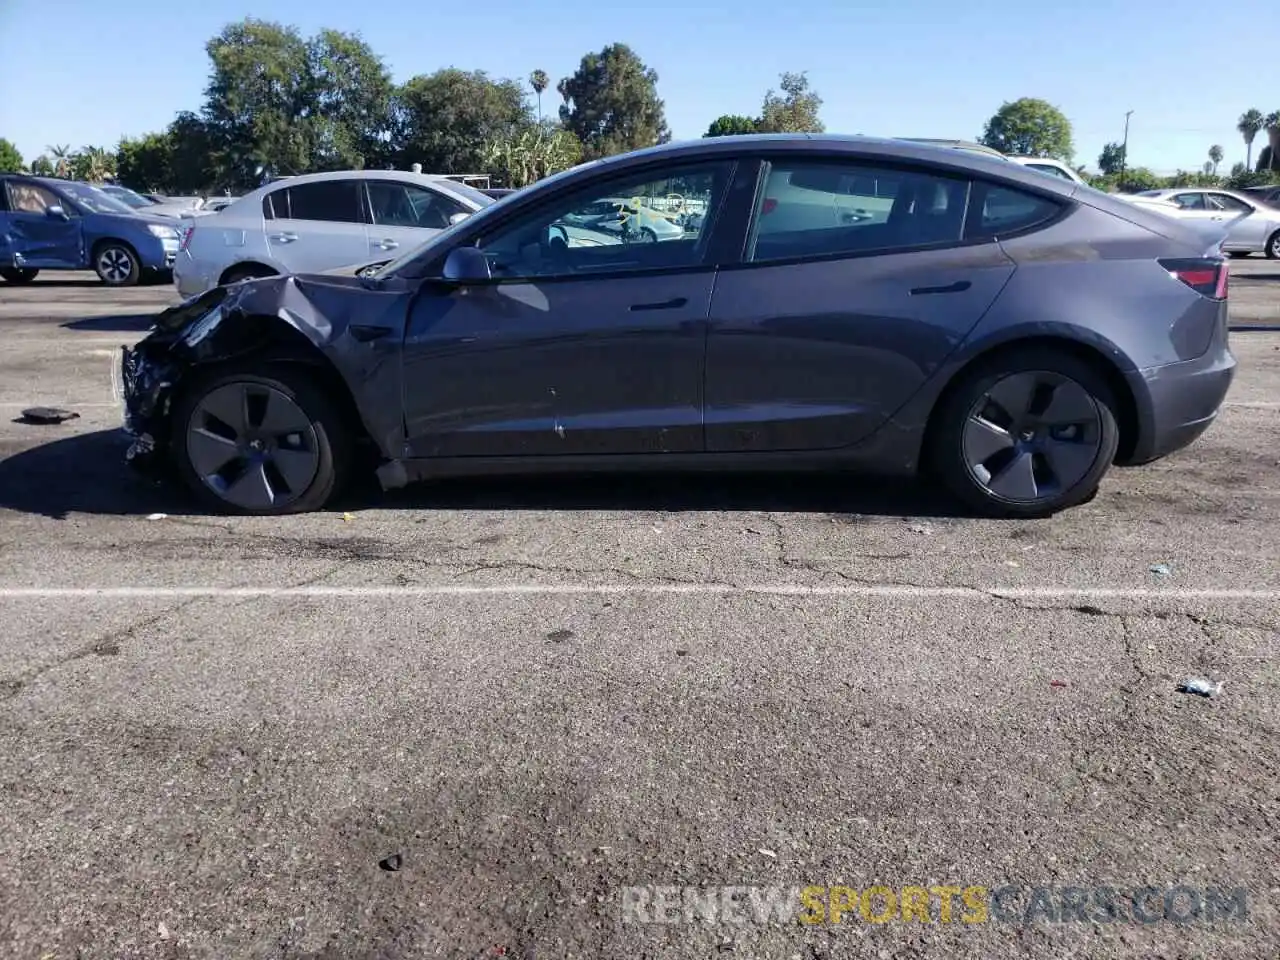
x=1030 y=127
x=10 y=158
x=611 y=103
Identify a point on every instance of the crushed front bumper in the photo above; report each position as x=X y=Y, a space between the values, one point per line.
x=145 y=392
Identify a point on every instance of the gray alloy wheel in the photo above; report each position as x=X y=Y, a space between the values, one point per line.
x=1273 y=246
x=253 y=446
x=116 y=265
x=1032 y=437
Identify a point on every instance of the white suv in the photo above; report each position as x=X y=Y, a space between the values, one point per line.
x=318 y=222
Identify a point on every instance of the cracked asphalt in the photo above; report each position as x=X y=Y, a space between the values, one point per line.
x=536 y=694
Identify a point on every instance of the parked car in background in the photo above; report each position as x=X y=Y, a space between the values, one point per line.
x=1054 y=168
x=1251 y=226
x=497 y=193
x=49 y=224
x=317 y=222
x=1270 y=195
x=968 y=335
x=613 y=219
x=171 y=207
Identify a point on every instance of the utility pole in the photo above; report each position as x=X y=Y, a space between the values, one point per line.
x=1124 y=149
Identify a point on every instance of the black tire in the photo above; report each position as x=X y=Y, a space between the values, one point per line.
x=946 y=456
x=241 y=274
x=648 y=236
x=1238 y=255
x=1273 y=246
x=18 y=275
x=116 y=264
x=333 y=439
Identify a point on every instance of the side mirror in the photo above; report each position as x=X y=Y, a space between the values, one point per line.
x=458 y=218
x=56 y=212
x=467 y=265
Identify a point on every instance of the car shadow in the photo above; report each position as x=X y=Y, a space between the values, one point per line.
x=86 y=473
x=125 y=322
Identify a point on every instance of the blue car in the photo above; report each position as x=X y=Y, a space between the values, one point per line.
x=48 y=224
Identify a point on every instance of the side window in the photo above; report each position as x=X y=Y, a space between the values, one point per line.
x=1189 y=201
x=333 y=201
x=1224 y=201
x=824 y=209
x=31 y=198
x=654 y=222
x=405 y=205
x=998 y=211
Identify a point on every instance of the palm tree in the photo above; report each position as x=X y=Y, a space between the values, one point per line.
x=539 y=81
x=1215 y=155
x=61 y=160
x=1272 y=125
x=1250 y=122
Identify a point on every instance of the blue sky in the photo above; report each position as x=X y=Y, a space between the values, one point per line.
x=81 y=72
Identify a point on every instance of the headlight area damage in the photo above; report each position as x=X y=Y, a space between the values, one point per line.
x=346 y=330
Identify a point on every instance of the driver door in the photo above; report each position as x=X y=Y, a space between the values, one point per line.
x=37 y=238
x=587 y=341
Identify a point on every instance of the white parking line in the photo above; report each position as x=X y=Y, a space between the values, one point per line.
x=887 y=591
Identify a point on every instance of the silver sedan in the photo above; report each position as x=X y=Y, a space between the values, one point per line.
x=1252 y=226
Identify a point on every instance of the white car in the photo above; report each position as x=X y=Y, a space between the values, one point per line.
x=1054 y=168
x=1252 y=227
x=317 y=222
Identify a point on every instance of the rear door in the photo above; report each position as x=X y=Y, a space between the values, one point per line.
x=1246 y=230
x=318 y=226
x=34 y=237
x=402 y=215
x=832 y=323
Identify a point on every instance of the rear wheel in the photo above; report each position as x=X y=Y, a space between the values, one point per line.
x=1273 y=246
x=18 y=274
x=116 y=264
x=264 y=441
x=1026 y=434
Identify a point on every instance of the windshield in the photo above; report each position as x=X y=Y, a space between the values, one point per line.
x=470 y=193
x=126 y=196
x=93 y=199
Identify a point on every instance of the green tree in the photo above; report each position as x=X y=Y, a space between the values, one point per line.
x=351 y=96
x=1269 y=157
x=194 y=150
x=1216 y=154
x=10 y=158
x=1111 y=160
x=1030 y=127
x=794 y=110
x=539 y=81
x=1138 y=179
x=446 y=119
x=1249 y=125
x=93 y=164
x=730 y=124
x=535 y=152
x=145 y=163
x=611 y=103
x=42 y=166
x=61 y=160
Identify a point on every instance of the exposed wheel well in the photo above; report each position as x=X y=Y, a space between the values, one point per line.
x=271 y=340
x=1127 y=408
x=249 y=268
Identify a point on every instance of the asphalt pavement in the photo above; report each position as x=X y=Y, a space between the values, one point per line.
x=501 y=718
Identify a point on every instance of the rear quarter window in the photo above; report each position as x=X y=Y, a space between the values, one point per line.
x=999 y=211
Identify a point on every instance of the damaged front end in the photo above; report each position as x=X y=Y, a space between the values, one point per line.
x=348 y=330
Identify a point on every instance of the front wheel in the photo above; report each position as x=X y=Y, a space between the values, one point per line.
x=18 y=274
x=1026 y=434
x=265 y=441
x=116 y=265
x=1273 y=246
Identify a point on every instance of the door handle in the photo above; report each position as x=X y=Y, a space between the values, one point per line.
x=284 y=237
x=366 y=332
x=960 y=286
x=664 y=305
x=385 y=244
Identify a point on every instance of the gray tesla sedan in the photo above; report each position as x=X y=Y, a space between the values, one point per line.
x=841 y=304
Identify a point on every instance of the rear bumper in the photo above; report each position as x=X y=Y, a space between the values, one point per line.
x=1177 y=402
x=190 y=276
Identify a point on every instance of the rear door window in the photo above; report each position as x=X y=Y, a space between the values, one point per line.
x=330 y=201
x=996 y=211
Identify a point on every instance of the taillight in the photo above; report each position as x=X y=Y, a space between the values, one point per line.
x=186 y=237
x=1206 y=276
x=769 y=206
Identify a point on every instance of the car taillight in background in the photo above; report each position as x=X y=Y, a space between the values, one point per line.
x=186 y=232
x=1206 y=276
x=768 y=206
